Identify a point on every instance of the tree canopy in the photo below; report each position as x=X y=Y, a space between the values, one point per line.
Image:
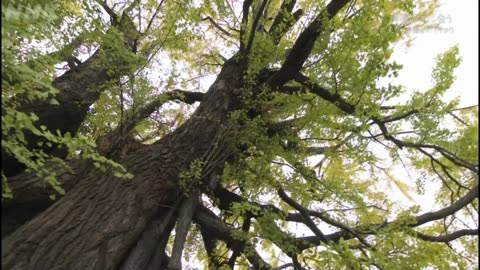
x=226 y=134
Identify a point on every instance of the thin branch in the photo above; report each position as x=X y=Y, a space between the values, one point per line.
x=349 y=9
x=445 y=170
x=317 y=150
x=350 y=109
x=444 y=152
x=373 y=136
x=353 y=208
x=131 y=6
x=458 y=119
x=308 y=220
x=388 y=119
x=285 y=266
x=153 y=18
x=140 y=19
x=256 y=20
x=217 y=26
x=465 y=108
x=453 y=110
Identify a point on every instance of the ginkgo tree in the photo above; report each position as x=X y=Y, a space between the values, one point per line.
x=116 y=154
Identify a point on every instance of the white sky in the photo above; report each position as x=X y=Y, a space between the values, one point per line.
x=461 y=20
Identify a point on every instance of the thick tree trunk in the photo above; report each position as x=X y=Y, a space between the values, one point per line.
x=104 y=222
x=79 y=88
x=31 y=194
x=78 y=91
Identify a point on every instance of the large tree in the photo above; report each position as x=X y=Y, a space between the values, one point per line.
x=116 y=156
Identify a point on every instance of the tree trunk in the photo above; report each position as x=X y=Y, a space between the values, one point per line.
x=79 y=88
x=106 y=223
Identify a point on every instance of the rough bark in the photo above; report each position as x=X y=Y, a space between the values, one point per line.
x=79 y=88
x=31 y=194
x=100 y=221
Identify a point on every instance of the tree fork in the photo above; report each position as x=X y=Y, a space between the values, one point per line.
x=102 y=218
x=78 y=90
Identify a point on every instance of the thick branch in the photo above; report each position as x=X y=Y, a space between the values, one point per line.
x=113 y=16
x=308 y=220
x=448 y=237
x=256 y=20
x=280 y=25
x=286 y=8
x=210 y=242
x=152 y=240
x=245 y=9
x=236 y=251
x=373 y=228
x=304 y=45
x=181 y=230
x=30 y=190
x=449 y=210
x=325 y=94
x=64 y=54
x=106 y=143
x=180 y=95
x=78 y=90
x=350 y=109
x=210 y=222
x=31 y=194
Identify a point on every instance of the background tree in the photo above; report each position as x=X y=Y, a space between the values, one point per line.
x=98 y=173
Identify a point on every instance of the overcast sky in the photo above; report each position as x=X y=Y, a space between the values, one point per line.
x=460 y=18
